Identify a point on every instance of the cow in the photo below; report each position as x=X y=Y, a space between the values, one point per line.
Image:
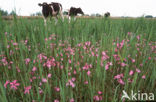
x=74 y=11
x=107 y=14
x=51 y=10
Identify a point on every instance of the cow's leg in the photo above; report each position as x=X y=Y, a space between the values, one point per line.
x=69 y=18
x=61 y=13
x=62 y=16
x=45 y=22
x=56 y=20
x=74 y=18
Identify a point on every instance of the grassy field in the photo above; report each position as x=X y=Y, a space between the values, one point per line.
x=88 y=60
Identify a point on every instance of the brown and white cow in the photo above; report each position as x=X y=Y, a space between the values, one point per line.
x=51 y=10
x=74 y=11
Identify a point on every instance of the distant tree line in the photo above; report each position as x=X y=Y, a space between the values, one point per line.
x=5 y=13
x=36 y=14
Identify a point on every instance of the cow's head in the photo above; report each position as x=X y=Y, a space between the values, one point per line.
x=79 y=10
x=44 y=4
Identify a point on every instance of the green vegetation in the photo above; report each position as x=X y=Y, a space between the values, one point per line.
x=87 y=60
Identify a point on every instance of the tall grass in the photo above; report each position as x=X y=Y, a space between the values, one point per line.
x=77 y=61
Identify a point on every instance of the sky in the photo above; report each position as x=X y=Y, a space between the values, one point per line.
x=132 y=8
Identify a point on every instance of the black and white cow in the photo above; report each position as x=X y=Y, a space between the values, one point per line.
x=51 y=10
x=107 y=14
x=74 y=11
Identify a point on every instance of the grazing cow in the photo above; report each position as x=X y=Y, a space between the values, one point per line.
x=52 y=9
x=107 y=14
x=74 y=11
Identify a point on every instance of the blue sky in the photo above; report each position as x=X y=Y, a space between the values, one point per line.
x=132 y=8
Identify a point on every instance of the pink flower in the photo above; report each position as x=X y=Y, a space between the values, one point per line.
x=49 y=75
x=14 y=85
x=104 y=56
x=34 y=69
x=131 y=72
x=138 y=37
x=88 y=73
x=44 y=80
x=6 y=83
x=106 y=66
x=73 y=79
x=99 y=92
x=121 y=81
x=27 y=89
x=56 y=100
x=86 y=82
x=46 y=39
x=118 y=76
x=74 y=72
x=98 y=98
x=143 y=77
x=15 y=44
x=40 y=90
x=57 y=89
x=69 y=61
x=72 y=100
x=27 y=60
x=70 y=83
x=123 y=64
x=138 y=70
x=133 y=60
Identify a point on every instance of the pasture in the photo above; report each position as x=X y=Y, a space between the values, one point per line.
x=87 y=60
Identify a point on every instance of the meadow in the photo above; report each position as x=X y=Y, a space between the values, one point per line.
x=87 y=60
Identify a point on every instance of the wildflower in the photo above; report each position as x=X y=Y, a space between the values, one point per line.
x=88 y=73
x=123 y=64
x=74 y=72
x=118 y=76
x=104 y=56
x=131 y=72
x=73 y=79
x=49 y=75
x=17 y=68
x=57 y=89
x=34 y=69
x=106 y=66
x=15 y=44
x=133 y=60
x=27 y=60
x=40 y=90
x=69 y=61
x=72 y=100
x=99 y=92
x=56 y=100
x=138 y=37
x=143 y=77
x=121 y=81
x=70 y=82
x=14 y=85
x=138 y=70
x=86 y=82
x=27 y=89
x=98 y=98
x=44 y=80
x=6 y=83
